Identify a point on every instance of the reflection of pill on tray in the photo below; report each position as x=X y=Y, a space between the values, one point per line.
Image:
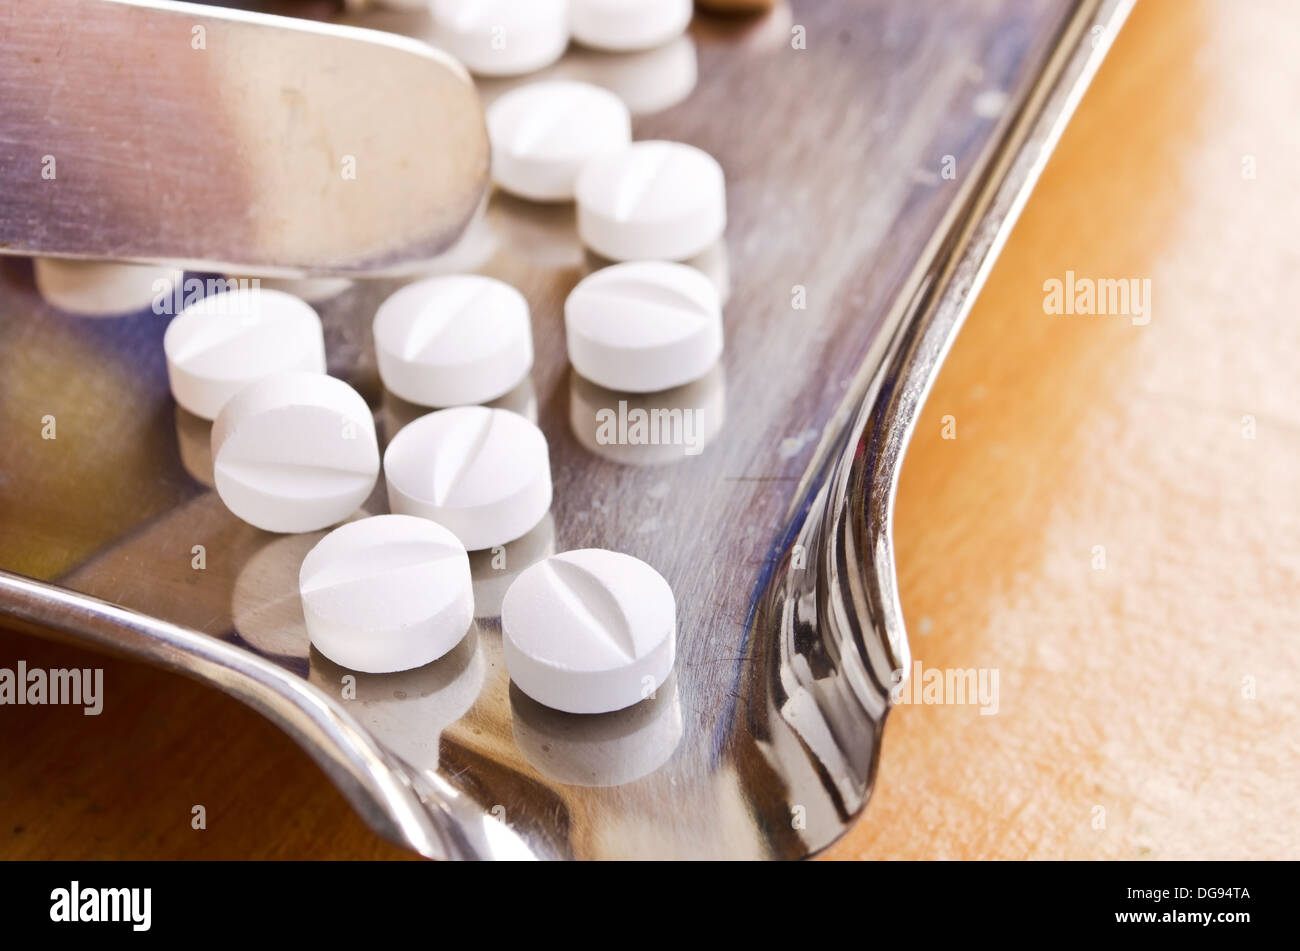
x=483 y=473
x=221 y=343
x=433 y=697
x=544 y=133
x=194 y=446
x=652 y=200
x=295 y=452
x=643 y=326
x=649 y=81
x=502 y=37
x=648 y=429
x=609 y=750
x=495 y=569
x=589 y=631
x=387 y=593
x=624 y=25
x=452 y=341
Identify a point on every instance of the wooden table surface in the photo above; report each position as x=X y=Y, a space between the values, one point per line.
x=1114 y=530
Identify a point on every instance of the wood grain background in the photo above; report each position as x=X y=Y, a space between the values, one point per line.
x=1147 y=708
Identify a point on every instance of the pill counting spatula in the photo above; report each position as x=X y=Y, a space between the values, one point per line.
x=776 y=536
x=140 y=130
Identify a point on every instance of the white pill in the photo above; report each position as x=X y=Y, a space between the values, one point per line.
x=102 y=288
x=295 y=452
x=453 y=341
x=653 y=200
x=387 y=593
x=644 y=326
x=502 y=37
x=543 y=134
x=589 y=631
x=483 y=473
x=220 y=344
x=625 y=25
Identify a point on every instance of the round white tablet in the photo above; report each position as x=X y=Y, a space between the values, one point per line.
x=589 y=631
x=653 y=200
x=502 y=37
x=624 y=25
x=102 y=288
x=543 y=134
x=387 y=593
x=218 y=345
x=453 y=341
x=483 y=473
x=644 y=326
x=295 y=452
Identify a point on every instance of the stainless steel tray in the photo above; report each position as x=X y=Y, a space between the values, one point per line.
x=875 y=173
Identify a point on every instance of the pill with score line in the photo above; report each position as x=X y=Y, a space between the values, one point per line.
x=644 y=326
x=453 y=341
x=544 y=133
x=295 y=452
x=483 y=473
x=387 y=593
x=653 y=200
x=589 y=631
x=225 y=341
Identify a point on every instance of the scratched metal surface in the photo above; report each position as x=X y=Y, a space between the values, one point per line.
x=835 y=159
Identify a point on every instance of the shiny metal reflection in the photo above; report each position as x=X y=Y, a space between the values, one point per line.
x=224 y=140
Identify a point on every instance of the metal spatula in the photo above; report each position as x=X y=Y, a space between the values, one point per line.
x=137 y=130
